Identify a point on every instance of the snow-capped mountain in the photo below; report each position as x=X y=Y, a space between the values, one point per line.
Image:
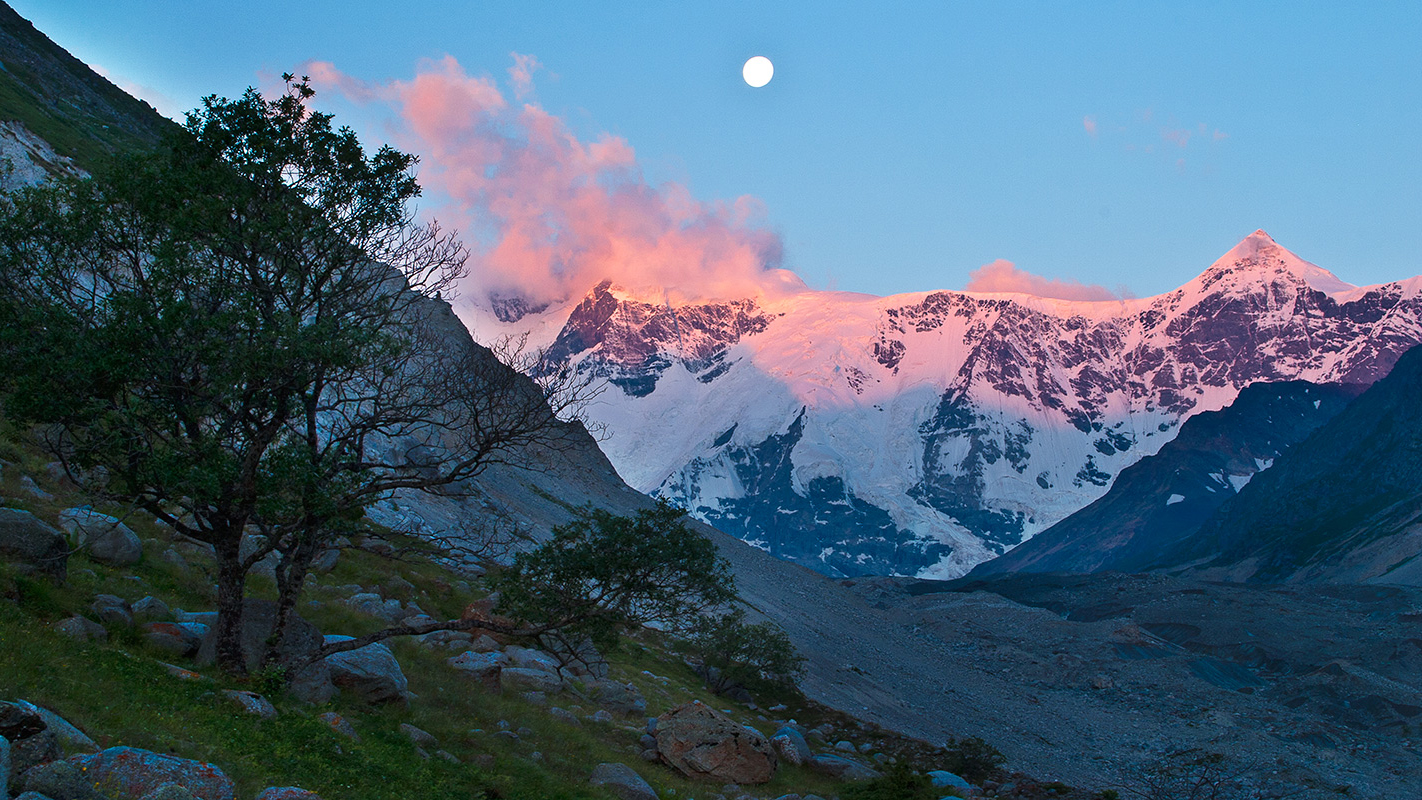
x=925 y=433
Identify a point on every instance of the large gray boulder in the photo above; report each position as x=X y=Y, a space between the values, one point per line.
x=105 y=538
x=71 y=740
x=704 y=744
x=618 y=698
x=130 y=772
x=176 y=638
x=482 y=667
x=371 y=673
x=32 y=742
x=524 y=680
x=846 y=769
x=32 y=543
x=622 y=781
x=311 y=684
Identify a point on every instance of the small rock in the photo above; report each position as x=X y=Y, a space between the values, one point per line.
x=182 y=673
x=418 y=736
x=517 y=678
x=448 y=756
x=564 y=716
x=790 y=745
x=777 y=708
x=82 y=629
x=622 y=781
x=942 y=779
x=33 y=490
x=340 y=725
x=601 y=717
x=252 y=703
x=24 y=538
x=844 y=745
x=536 y=698
x=179 y=638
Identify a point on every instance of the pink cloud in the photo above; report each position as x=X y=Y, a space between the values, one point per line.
x=1089 y=123
x=1004 y=277
x=521 y=73
x=548 y=214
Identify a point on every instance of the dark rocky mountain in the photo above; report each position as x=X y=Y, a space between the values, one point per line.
x=1162 y=500
x=925 y=434
x=1345 y=504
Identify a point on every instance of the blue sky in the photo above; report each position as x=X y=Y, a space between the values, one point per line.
x=901 y=146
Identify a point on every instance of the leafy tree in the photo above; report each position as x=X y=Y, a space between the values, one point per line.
x=601 y=574
x=732 y=652
x=899 y=782
x=236 y=334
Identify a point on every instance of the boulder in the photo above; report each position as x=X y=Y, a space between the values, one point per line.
x=4 y=767
x=943 y=779
x=57 y=780
x=302 y=640
x=618 y=698
x=704 y=744
x=521 y=679
x=791 y=746
x=529 y=658
x=71 y=739
x=252 y=703
x=484 y=644
x=24 y=538
x=104 y=537
x=622 y=781
x=371 y=673
x=130 y=772
x=419 y=737
x=169 y=791
x=376 y=606
x=845 y=769
x=179 y=638
x=33 y=490
x=82 y=629
x=286 y=793
x=483 y=667
x=112 y=610
x=151 y=609
x=32 y=742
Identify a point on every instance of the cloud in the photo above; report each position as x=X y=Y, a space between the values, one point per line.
x=548 y=214
x=521 y=73
x=1003 y=277
x=1089 y=123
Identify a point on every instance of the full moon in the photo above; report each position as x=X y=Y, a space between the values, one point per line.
x=758 y=71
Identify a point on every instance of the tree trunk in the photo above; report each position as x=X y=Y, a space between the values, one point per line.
x=231 y=590
x=291 y=573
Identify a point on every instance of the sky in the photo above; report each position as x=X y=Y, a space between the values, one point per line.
x=1074 y=149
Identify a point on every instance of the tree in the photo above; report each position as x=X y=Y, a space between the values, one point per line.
x=236 y=333
x=732 y=652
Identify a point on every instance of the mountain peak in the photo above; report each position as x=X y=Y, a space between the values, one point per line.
x=1258 y=252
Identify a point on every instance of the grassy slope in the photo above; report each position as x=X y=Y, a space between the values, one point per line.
x=120 y=694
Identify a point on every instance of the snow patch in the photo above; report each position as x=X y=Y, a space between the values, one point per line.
x=1175 y=498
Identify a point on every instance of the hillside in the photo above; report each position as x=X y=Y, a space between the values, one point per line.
x=1343 y=505
x=1162 y=500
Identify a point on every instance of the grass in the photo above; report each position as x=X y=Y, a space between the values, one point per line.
x=120 y=694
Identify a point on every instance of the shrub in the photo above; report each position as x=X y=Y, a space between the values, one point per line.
x=732 y=652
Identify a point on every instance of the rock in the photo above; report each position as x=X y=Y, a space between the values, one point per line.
x=843 y=768
x=619 y=698
x=520 y=679
x=104 y=537
x=370 y=672
x=130 y=772
x=529 y=658
x=484 y=644
x=169 y=791
x=790 y=745
x=601 y=717
x=286 y=793
x=71 y=739
x=340 y=725
x=565 y=716
x=151 y=609
x=252 y=703
x=302 y=640
x=24 y=538
x=82 y=629
x=376 y=606
x=844 y=746
x=112 y=610
x=942 y=779
x=58 y=780
x=33 y=490
x=479 y=665
x=179 y=638
x=536 y=698
x=622 y=781
x=32 y=742
x=326 y=561
x=418 y=736
x=448 y=756
x=4 y=767
x=705 y=744
x=581 y=659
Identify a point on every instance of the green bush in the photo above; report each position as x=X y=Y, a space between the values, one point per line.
x=973 y=759
x=732 y=652
x=898 y=783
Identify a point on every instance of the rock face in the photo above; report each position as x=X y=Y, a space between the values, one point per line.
x=130 y=772
x=925 y=433
x=313 y=684
x=704 y=744
x=622 y=781
x=104 y=537
x=24 y=538
x=370 y=673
